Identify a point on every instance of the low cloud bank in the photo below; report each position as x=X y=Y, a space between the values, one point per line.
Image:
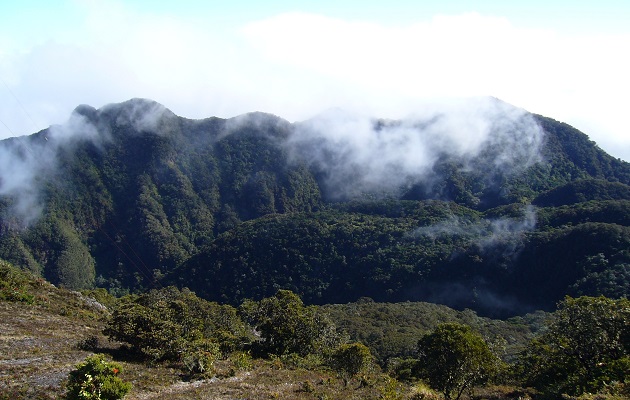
x=359 y=155
x=354 y=154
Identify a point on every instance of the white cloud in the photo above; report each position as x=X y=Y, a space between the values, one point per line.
x=358 y=157
x=578 y=79
x=297 y=64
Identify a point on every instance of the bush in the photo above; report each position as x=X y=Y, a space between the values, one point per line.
x=199 y=358
x=90 y=343
x=287 y=326
x=349 y=360
x=164 y=324
x=96 y=379
x=406 y=370
x=14 y=284
x=148 y=330
x=241 y=361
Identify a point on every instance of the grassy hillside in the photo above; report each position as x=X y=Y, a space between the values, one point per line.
x=47 y=331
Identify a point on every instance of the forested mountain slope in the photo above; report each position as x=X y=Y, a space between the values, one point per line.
x=496 y=209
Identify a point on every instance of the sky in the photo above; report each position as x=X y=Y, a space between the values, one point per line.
x=568 y=60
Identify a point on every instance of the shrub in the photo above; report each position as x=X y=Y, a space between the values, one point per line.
x=406 y=370
x=14 y=284
x=164 y=324
x=90 y=343
x=199 y=358
x=96 y=379
x=241 y=361
x=287 y=326
x=349 y=360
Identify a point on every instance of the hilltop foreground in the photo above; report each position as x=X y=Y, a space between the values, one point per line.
x=171 y=344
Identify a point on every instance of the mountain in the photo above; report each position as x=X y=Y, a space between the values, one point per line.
x=482 y=205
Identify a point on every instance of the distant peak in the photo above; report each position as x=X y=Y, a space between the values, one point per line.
x=141 y=114
x=85 y=110
x=257 y=119
x=138 y=106
x=257 y=115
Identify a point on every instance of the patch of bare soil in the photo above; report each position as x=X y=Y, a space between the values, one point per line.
x=38 y=347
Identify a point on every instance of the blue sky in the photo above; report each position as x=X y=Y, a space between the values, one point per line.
x=566 y=60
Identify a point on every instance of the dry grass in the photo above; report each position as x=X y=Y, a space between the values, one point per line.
x=38 y=342
x=266 y=381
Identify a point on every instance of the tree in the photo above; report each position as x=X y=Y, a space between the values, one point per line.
x=585 y=348
x=453 y=358
x=150 y=330
x=287 y=326
x=169 y=324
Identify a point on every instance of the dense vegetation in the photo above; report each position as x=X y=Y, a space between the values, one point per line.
x=131 y=197
x=585 y=349
x=580 y=349
x=435 y=252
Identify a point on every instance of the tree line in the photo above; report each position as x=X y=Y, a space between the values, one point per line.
x=584 y=346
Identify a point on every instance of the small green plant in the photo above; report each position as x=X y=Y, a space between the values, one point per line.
x=241 y=361
x=421 y=391
x=306 y=387
x=96 y=379
x=391 y=389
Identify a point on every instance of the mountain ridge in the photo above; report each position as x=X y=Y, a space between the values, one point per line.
x=131 y=194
